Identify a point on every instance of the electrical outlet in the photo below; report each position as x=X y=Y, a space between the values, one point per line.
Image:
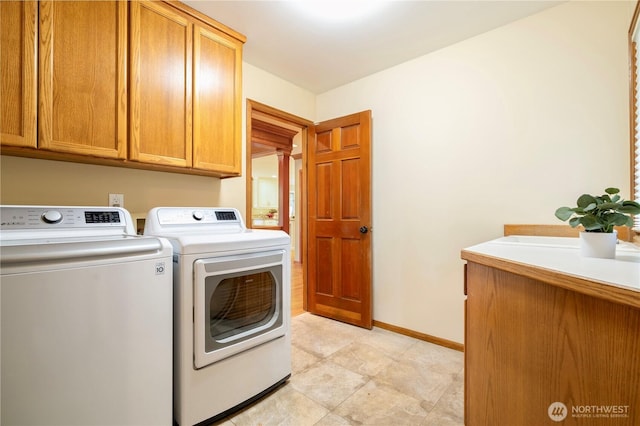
x=116 y=200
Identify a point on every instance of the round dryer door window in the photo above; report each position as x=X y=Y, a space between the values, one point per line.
x=238 y=304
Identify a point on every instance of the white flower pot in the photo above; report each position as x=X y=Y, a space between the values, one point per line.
x=598 y=244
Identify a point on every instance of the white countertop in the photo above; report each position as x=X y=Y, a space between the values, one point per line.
x=563 y=255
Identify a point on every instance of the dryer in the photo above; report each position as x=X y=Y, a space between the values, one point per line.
x=232 y=291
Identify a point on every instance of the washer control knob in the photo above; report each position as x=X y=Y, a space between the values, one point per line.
x=52 y=216
x=198 y=215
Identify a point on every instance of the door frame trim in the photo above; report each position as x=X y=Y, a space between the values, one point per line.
x=290 y=119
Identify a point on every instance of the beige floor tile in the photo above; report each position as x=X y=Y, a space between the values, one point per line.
x=392 y=344
x=286 y=406
x=376 y=404
x=327 y=383
x=435 y=357
x=346 y=375
x=319 y=338
x=362 y=359
x=408 y=378
x=449 y=410
x=224 y=423
x=424 y=372
x=301 y=359
x=326 y=328
x=332 y=419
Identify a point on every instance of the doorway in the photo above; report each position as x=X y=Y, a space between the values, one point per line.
x=274 y=171
x=328 y=186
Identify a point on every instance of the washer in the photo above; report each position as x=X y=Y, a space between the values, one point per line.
x=232 y=293
x=86 y=318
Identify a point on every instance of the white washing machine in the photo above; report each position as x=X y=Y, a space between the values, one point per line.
x=232 y=298
x=86 y=319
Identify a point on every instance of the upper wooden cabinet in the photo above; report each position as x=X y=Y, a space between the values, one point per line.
x=160 y=40
x=82 y=73
x=185 y=90
x=18 y=90
x=146 y=84
x=217 y=101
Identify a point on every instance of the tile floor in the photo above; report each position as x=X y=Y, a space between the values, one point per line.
x=345 y=375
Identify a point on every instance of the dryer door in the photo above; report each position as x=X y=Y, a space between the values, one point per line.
x=238 y=304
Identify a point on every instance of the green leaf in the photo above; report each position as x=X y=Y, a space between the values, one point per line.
x=564 y=213
x=619 y=219
x=608 y=206
x=590 y=223
x=585 y=199
x=612 y=191
x=615 y=198
x=575 y=221
x=630 y=207
x=590 y=207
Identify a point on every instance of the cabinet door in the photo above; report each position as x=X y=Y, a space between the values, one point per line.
x=161 y=46
x=18 y=90
x=217 y=101
x=83 y=94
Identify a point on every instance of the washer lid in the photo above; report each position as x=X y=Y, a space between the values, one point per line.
x=121 y=249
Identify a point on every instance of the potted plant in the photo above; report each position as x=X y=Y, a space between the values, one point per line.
x=599 y=215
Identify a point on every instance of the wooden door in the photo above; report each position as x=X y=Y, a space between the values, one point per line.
x=18 y=92
x=217 y=101
x=339 y=219
x=83 y=96
x=161 y=61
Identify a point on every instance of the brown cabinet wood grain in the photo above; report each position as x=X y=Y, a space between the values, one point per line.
x=145 y=84
x=18 y=62
x=529 y=344
x=217 y=101
x=82 y=78
x=177 y=120
x=161 y=40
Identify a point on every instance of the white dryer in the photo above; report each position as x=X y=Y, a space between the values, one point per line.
x=86 y=317
x=232 y=298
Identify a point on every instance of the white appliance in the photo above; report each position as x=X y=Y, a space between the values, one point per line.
x=232 y=298
x=86 y=319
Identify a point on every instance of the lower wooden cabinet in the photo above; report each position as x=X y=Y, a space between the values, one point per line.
x=537 y=353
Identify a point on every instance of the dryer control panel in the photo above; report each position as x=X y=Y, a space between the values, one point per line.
x=205 y=219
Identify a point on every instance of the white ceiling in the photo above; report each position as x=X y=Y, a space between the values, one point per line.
x=320 y=55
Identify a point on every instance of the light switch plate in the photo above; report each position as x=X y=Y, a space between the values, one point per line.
x=116 y=200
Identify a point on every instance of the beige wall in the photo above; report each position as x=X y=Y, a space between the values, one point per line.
x=32 y=181
x=501 y=128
